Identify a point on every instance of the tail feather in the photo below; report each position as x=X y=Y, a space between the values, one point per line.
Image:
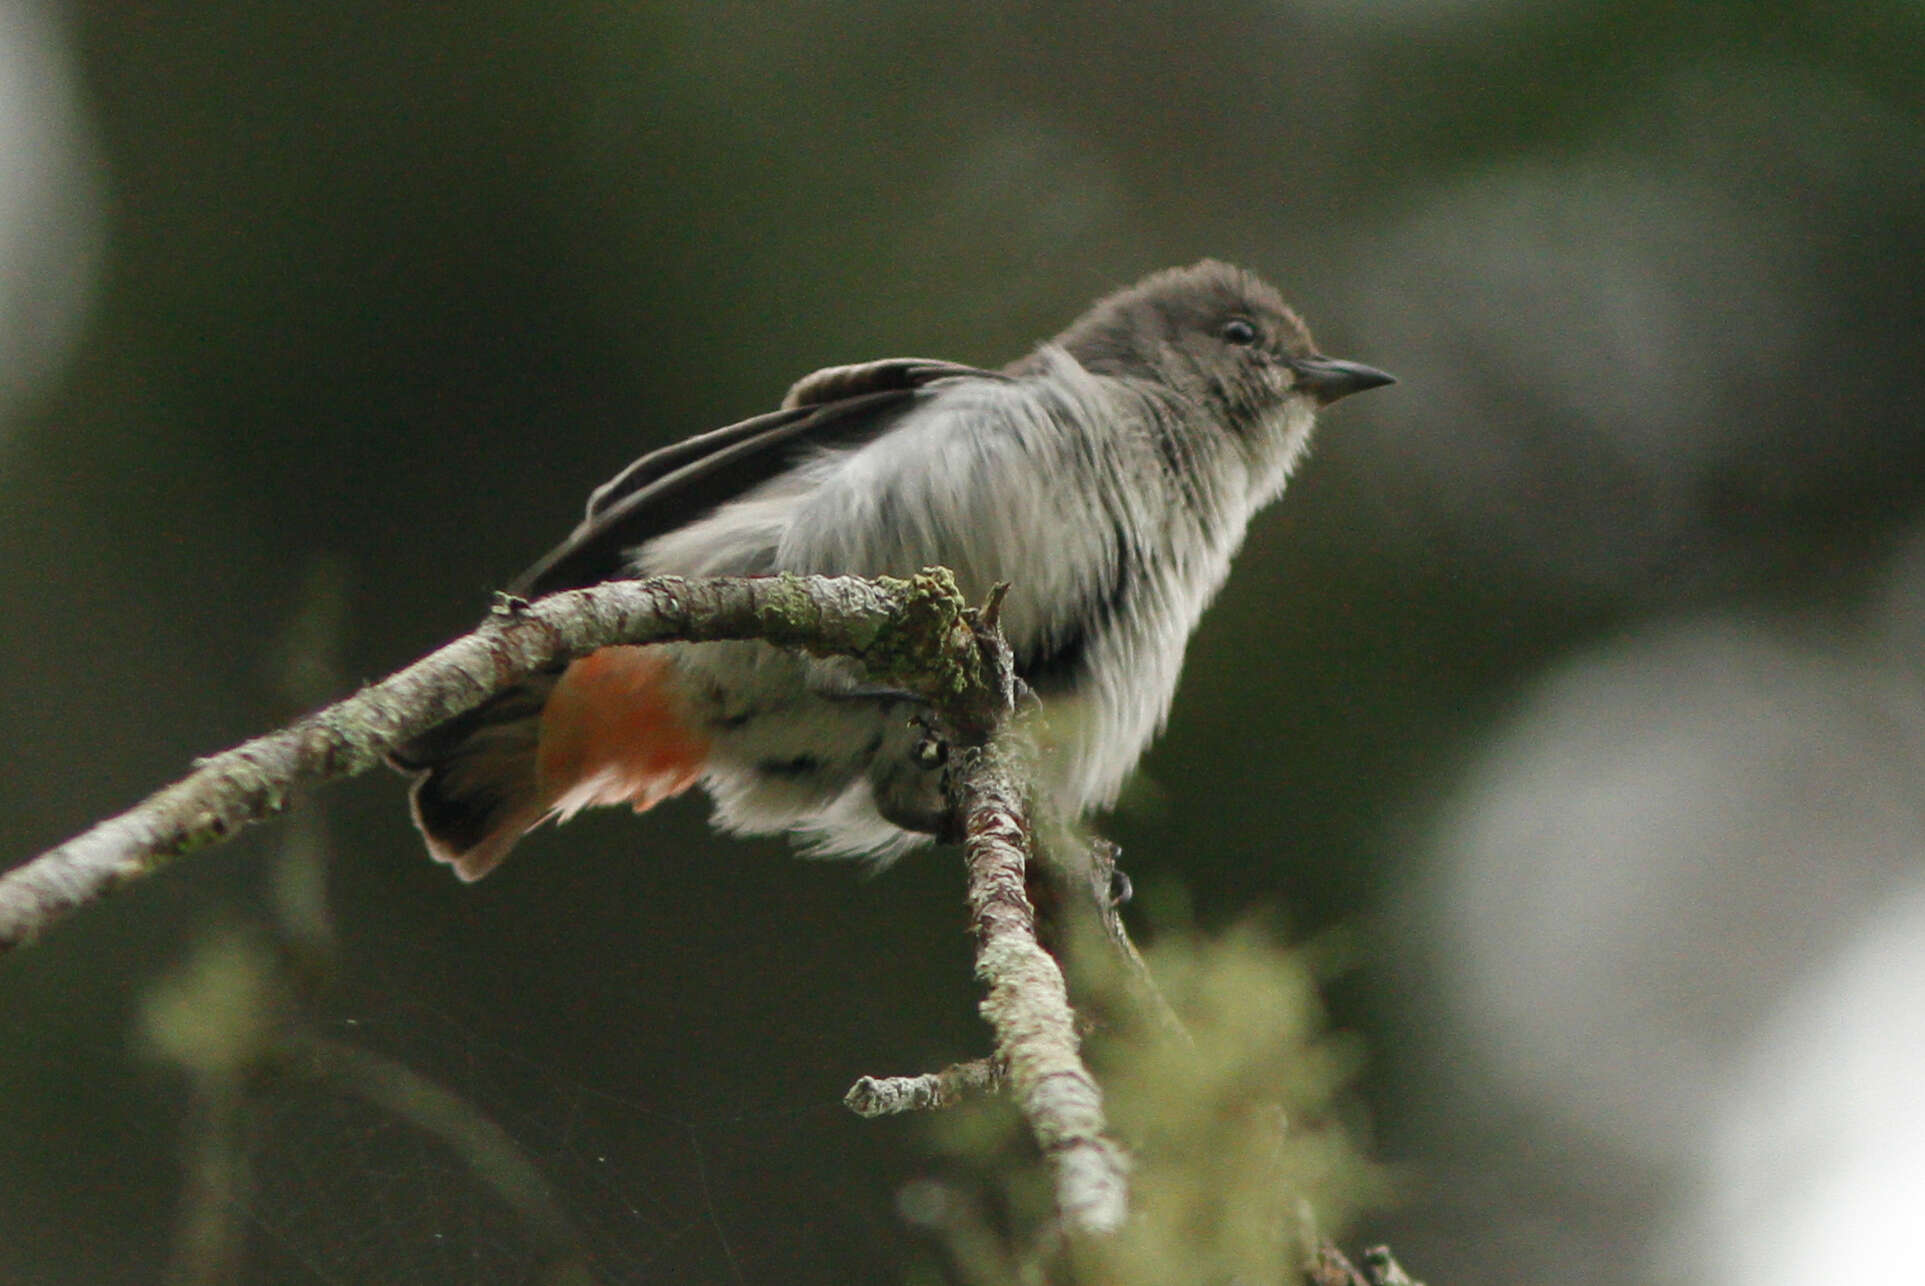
x=472 y=827
x=606 y=730
x=613 y=733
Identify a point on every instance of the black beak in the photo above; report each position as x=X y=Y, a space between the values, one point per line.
x=1327 y=378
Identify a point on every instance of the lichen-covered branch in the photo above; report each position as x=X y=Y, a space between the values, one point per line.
x=912 y=632
x=1028 y=1003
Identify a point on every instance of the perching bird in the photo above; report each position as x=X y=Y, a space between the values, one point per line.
x=1108 y=477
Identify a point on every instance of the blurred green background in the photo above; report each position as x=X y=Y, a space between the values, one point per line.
x=1577 y=675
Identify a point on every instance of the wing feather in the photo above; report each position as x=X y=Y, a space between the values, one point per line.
x=672 y=486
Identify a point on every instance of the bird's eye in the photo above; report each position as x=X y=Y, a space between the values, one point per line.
x=1239 y=332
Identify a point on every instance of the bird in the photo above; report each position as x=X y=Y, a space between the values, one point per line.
x=1107 y=478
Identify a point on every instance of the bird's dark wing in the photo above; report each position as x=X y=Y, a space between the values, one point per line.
x=665 y=489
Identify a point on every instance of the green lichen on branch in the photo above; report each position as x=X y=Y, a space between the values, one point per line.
x=930 y=646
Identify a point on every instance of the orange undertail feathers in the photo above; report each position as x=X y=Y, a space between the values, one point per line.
x=607 y=730
x=613 y=732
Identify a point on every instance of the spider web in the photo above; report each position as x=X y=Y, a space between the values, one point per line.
x=344 y=1190
x=442 y=1117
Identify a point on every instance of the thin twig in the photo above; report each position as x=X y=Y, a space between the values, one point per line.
x=892 y=1095
x=1079 y=900
x=1329 y=1266
x=908 y=630
x=1384 y=1269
